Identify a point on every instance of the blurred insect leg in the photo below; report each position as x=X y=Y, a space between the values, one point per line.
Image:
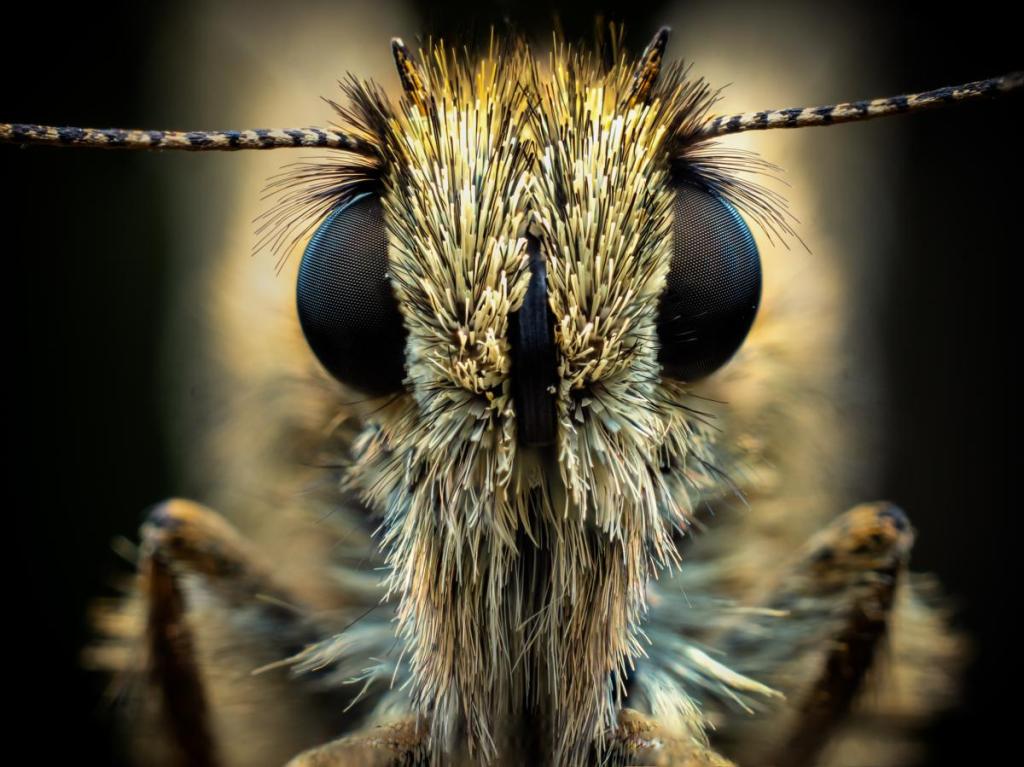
x=639 y=740
x=837 y=600
x=183 y=538
x=864 y=552
x=399 y=743
x=172 y=662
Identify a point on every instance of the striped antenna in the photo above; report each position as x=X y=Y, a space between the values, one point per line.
x=261 y=138
x=832 y=114
x=191 y=141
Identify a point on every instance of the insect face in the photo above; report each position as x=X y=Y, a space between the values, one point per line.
x=557 y=271
x=524 y=263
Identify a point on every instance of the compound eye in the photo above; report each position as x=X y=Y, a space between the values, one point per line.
x=347 y=309
x=713 y=285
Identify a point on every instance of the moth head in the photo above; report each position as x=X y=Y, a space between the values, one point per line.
x=542 y=261
x=527 y=263
x=505 y=184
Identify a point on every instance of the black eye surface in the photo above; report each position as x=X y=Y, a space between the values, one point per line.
x=713 y=285
x=347 y=309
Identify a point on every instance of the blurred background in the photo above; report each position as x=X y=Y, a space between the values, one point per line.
x=911 y=225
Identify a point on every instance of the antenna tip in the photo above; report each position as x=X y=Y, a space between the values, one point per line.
x=412 y=83
x=648 y=67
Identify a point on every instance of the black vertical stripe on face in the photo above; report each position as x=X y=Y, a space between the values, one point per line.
x=534 y=363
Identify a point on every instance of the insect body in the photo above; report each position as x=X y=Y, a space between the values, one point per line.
x=525 y=265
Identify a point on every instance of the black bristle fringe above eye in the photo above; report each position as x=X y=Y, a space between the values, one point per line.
x=305 y=193
x=725 y=171
x=731 y=173
x=693 y=96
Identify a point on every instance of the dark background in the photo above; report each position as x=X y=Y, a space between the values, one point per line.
x=83 y=310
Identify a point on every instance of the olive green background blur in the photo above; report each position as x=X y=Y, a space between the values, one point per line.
x=86 y=267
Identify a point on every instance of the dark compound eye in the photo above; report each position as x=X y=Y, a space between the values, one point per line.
x=713 y=285
x=347 y=309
